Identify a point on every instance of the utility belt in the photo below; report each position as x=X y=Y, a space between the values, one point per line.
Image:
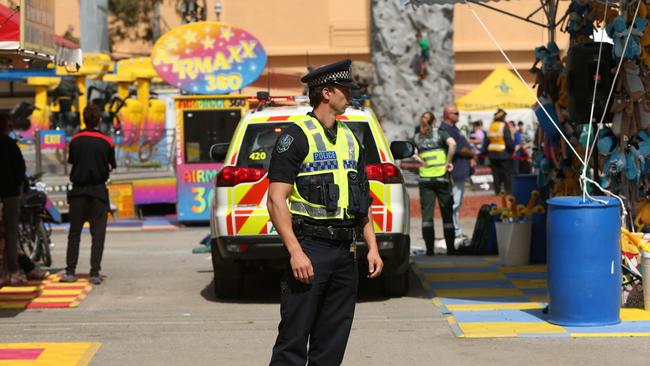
x=325 y=232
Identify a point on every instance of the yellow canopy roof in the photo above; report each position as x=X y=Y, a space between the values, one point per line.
x=501 y=89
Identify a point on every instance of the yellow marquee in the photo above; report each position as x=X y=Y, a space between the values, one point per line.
x=501 y=89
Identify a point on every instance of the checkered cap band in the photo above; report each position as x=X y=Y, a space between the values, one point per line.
x=331 y=77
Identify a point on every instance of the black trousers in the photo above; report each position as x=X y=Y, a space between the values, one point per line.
x=95 y=211
x=502 y=175
x=10 y=218
x=429 y=190
x=319 y=313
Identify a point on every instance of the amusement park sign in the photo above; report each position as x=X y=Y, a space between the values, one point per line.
x=208 y=58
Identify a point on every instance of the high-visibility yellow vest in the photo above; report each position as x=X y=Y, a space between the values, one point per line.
x=323 y=157
x=435 y=163
x=433 y=154
x=496 y=138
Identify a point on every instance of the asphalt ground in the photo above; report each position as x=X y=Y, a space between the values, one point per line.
x=156 y=307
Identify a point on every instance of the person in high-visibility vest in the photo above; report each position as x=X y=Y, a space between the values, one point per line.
x=436 y=152
x=318 y=201
x=500 y=146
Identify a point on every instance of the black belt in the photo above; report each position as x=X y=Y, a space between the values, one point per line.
x=348 y=234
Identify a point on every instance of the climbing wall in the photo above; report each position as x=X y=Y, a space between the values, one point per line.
x=398 y=97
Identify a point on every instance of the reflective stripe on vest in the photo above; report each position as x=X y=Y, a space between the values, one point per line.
x=495 y=136
x=435 y=163
x=324 y=158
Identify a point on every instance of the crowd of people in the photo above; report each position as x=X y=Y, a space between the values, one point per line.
x=448 y=158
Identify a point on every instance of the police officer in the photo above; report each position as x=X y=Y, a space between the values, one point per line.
x=436 y=152
x=500 y=147
x=317 y=166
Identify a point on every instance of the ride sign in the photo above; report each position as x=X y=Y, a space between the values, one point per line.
x=208 y=58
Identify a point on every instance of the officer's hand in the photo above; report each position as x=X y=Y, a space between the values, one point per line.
x=450 y=167
x=375 y=264
x=301 y=267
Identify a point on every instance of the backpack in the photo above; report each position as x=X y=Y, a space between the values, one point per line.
x=484 y=237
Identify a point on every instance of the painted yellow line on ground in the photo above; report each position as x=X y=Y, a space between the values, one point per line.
x=495 y=306
x=53 y=299
x=19 y=289
x=61 y=292
x=478 y=292
x=628 y=314
x=538 y=298
x=54 y=354
x=465 y=276
x=529 y=283
x=508 y=329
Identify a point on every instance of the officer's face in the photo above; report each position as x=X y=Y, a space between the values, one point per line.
x=340 y=98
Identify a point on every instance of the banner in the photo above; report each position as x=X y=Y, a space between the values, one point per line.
x=208 y=58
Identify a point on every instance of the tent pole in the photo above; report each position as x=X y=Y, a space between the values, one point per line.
x=551 y=16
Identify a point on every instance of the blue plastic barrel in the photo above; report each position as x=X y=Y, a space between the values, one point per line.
x=522 y=186
x=584 y=261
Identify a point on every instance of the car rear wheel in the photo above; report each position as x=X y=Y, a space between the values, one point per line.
x=228 y=276
x=228 y=288
x=396 y=285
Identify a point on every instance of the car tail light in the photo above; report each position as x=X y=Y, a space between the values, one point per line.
x=231 y=176
x=385 y=173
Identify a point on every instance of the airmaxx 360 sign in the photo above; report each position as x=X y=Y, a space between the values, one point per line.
x=208 y=58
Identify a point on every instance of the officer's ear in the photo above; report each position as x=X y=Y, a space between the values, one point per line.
x=327 y=93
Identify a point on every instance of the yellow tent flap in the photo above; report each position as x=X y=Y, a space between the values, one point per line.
x=501 y=89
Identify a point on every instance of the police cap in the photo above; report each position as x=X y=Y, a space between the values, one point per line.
x=338 y=73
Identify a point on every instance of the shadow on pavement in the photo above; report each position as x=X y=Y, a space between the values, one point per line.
x=264 y=288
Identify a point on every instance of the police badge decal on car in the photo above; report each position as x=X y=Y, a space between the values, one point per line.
x=284 y=143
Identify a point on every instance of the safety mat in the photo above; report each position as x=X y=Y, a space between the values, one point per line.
x=45 y=294
x=482 y=299
x=47 y=354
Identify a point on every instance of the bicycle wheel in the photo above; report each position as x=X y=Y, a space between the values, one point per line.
x=26 y=239
x=43 y=244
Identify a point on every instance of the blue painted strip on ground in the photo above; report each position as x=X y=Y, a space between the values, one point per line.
x=482 y=300
x=443 y=285
x=526 y=275
x=499 y=316
x=459 y=269
x=642 y=326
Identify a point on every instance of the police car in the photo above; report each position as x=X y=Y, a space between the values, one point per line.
x=242 y=234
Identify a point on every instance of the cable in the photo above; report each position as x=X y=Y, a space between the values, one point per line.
x=618 y=69
x=593 y=105
x=522 y=80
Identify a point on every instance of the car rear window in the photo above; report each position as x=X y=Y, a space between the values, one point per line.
x=258 y=143
x=361 y=130
x=259 y=140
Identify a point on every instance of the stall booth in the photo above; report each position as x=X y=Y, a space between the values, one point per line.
x=202 y=121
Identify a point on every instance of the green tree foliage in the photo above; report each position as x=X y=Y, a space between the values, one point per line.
x=132 y=20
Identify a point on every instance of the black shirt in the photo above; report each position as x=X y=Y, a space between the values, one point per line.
x=289 y=152
x=12 y=166
x=92 y=155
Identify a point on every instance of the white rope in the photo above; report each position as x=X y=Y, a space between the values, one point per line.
x=522 y=80
x=593 y=105
x=623 y=210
